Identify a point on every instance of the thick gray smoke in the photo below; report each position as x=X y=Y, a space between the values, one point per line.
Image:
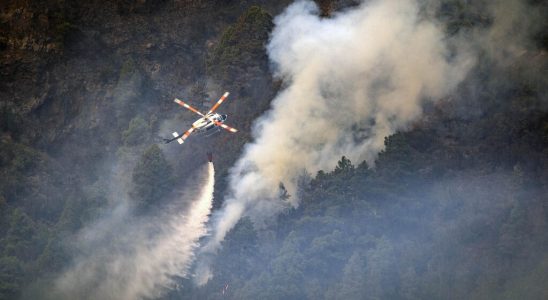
x=352 y=80
x=142 y=258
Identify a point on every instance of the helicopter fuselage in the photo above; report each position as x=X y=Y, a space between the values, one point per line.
x=208 y=122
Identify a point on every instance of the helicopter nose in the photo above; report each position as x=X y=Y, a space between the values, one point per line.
x=224 y=117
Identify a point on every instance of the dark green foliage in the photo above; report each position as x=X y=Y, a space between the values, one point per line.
x=453 y=209
x=62 y=30
x=137 y=132
x=152 y=178
x=125 y=7
x=53 y=256
x=352 y=284
x=395 y=160
x=512 y=231
x=242 y=45
x=283 y=194
x=11 y=120
x=240 y=251
x=11 y=277
x=70 y=219
x=29 y=180
x=19 y=236
x=127 y=93
x=344 y=166
x=459 y=15
x=326 y=7
x=420 y=242
x=127 y=69
x=21 y=244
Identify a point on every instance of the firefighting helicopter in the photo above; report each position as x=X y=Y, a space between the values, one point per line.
x=205 y=124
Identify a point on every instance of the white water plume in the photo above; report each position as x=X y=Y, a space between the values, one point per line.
x=146 y=256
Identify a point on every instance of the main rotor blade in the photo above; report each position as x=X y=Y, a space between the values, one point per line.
x=224 y=126
x=218 y=103
x=181 y=137
x=187 y=133
x=183 y=104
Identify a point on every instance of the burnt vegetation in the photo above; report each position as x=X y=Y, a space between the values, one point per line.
x=454 y=208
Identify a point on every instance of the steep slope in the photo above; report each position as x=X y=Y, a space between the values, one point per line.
x=86 y=88
x=455 y=208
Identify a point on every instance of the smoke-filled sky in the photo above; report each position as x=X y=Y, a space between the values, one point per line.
x=128 y=257
x=351 y=80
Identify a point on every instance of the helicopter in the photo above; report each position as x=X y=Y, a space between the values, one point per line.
x=205 y=124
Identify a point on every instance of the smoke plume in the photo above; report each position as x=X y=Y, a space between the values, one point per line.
x=143 y=258
x=351 y=80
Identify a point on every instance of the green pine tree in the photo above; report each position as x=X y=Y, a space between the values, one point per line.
x=152 y=178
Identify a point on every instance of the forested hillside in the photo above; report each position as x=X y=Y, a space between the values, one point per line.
x=86 y=90
x=433 y=222
x=454 y=207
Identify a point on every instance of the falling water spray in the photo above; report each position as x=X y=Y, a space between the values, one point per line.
x=146 y=257
x=174 y=253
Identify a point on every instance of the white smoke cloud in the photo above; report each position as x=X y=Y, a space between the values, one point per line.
x=352 y=80
x=145 y=257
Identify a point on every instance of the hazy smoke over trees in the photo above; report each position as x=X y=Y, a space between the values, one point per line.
x=351 y=80
x=135 y=258
x=446 y=100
